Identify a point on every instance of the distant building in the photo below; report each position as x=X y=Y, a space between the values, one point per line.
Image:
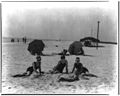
x=89 y=41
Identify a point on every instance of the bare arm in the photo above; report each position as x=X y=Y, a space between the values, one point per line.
x=34 y=67
x=40 y=68
x=73 y=68
x=66 y=67
x=81 y=67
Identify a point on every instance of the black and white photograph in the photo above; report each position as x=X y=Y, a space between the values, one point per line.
x=59 y=48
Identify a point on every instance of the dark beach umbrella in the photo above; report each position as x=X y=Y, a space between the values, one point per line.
x=75 y=48
x=36 y=47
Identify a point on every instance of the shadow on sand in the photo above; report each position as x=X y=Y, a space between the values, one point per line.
x=95 y=46
x=53 y=54
x=66 y=55
x=84 y=77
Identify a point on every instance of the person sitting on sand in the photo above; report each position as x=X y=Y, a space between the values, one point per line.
x=60 y=66
x=75 y=76
x=81 y=70
x=64 y=52
x=35 y=66
x=78 y=66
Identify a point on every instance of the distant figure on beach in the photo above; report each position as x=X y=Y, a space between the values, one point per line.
x=24 y=39
x=60 y=66
x=17 y=40
x=35 y=66
x=12 y=40
x=64 y=52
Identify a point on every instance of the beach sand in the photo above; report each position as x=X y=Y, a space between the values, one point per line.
x=16 y=59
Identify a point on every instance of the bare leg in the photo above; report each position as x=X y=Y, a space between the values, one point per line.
x=83 y=77
x=90 y=75
x=40 y=69
x=20 y=75
x=29 y=73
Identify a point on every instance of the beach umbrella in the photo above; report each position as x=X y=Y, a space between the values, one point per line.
x=36 y=47
x=75 y=48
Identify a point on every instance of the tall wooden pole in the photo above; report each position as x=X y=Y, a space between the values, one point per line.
x=98 y=33
x=91 y=32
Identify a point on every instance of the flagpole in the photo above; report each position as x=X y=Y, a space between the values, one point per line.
x=97 y=33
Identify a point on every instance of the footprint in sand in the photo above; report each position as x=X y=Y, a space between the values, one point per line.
x=71 y=87
x=15 y=86
x=9 y=87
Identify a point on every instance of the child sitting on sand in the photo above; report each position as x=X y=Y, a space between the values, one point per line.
x=60 y=66
x=35 y=66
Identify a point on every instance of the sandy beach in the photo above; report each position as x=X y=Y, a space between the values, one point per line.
x=101 y=62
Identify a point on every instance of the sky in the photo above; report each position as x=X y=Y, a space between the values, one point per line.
x=60 y=20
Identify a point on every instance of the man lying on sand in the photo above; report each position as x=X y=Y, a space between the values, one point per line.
x=35 y=66
x=60 y=66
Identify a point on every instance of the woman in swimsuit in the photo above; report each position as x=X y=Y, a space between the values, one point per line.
x=61 y=65
x=78 y=66
x=35 y=66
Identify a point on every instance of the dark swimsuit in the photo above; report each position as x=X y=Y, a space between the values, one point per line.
x=60 y=67
x=30 y=69
x=36 y=65
x=79 y=67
